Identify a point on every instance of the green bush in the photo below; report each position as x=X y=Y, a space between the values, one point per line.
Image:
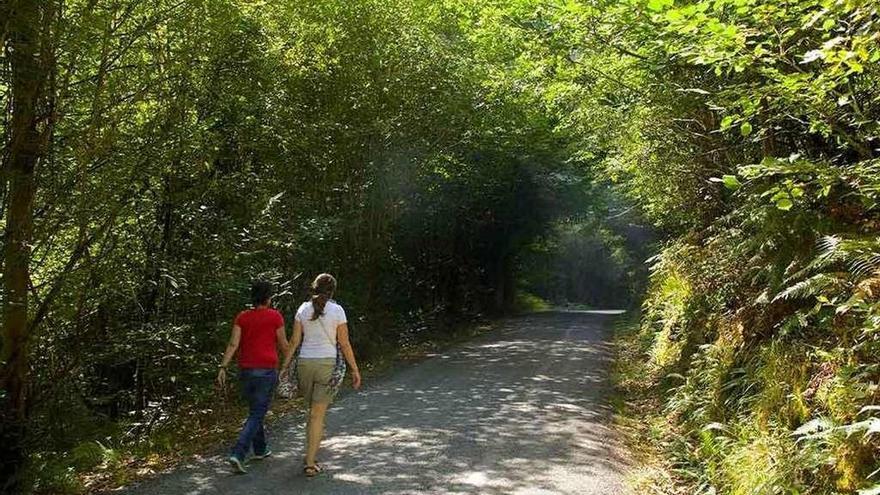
x=87 y=456
x=525 y=302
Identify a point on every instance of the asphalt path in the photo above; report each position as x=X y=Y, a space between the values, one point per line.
x=519 y=410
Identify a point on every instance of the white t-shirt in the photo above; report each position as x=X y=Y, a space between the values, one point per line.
x=319 y=341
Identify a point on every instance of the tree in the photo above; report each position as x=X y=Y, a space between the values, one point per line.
x=30 y=52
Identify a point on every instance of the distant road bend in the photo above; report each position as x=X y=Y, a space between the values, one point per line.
x=520 y=410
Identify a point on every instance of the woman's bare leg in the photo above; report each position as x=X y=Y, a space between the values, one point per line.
x=314 y=431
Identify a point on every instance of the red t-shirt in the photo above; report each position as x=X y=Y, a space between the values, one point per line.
x=258 y=342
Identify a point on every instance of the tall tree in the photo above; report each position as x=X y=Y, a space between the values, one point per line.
x=29 y=52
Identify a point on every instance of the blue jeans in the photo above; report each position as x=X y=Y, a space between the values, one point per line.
x=257 y=385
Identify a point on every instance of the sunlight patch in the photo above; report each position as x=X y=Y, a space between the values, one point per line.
x=568 y=407
x=353 y=478
x=409 y=436
x=477 y=479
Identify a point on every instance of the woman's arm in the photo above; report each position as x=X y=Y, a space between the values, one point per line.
x=295 y=340
x=281 y=339
x=348 y=353
x=231 y=347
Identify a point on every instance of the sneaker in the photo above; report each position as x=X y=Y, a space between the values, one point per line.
x=237 y=465
x=262 y=456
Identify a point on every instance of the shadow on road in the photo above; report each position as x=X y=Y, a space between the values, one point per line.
x=518 y=411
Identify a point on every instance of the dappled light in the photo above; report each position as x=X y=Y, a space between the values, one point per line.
x=521 y=410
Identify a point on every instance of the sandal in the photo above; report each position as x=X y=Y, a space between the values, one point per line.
x=312 y=471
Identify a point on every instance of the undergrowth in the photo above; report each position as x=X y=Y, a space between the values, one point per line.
x=773 y=394
x=638 y=410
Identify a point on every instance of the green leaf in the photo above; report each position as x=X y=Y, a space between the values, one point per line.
x=784 y=204
x=745 y=129
x=673 y=15
x=855 y=66
x=726 y=122
x=658 y=5
x=731 y=182
x=778 y=194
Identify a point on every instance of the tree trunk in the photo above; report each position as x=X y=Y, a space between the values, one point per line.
x=29 y=129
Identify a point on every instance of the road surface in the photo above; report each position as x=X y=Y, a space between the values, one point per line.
x=519 y=410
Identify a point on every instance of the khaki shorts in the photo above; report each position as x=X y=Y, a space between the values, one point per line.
x=314 y=376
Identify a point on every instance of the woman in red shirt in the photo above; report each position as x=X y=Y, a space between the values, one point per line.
x=258 y=334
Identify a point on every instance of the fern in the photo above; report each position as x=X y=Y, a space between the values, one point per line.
x=861 y=255
x=819 y=284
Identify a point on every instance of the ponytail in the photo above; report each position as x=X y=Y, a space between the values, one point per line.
x=322 y=290
x=318 y=303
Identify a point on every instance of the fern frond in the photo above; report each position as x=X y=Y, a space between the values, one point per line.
x=819 y=284
x=860 y=255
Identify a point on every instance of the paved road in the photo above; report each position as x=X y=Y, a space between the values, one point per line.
x=517 y=411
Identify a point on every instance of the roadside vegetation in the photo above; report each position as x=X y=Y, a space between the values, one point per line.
x=754 y=147
x=638 y=411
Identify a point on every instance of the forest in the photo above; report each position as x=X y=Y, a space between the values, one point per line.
x=710 y=164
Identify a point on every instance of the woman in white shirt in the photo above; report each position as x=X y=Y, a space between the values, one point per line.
x=319 y=325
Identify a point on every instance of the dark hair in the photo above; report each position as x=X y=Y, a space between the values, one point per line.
x=322 y=290
x=261 y=292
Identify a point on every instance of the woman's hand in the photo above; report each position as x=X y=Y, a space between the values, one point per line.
x=221 y=378
x=356 y=379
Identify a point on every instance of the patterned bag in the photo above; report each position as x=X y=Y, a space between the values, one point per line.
x=340 y=367
x=289 y=388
